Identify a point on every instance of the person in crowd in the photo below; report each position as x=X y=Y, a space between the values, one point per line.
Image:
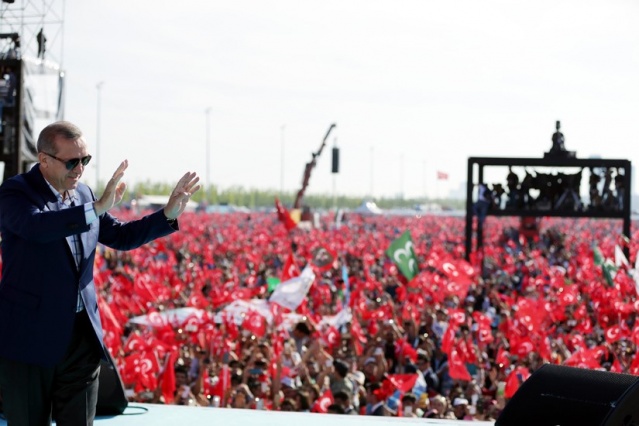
x=339 y=380
x=335 y=409
x=343 y=398
x=241 y=397
x=51 y=335
x=376 y=406
x=409 y=406
x=461 y=409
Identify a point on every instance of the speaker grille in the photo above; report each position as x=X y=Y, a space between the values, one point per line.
x=559 y=395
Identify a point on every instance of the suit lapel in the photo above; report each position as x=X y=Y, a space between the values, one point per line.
x=88 y=240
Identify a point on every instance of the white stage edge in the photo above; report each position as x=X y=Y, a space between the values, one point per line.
x=171 y=415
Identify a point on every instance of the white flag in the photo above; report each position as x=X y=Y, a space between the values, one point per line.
x=291 y=293
x=620 y=258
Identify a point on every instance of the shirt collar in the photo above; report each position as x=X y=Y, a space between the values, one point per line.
x=71 y=196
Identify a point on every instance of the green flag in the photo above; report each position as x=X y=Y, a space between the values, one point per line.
x=607 y=267
x=272 y=282
x=402 y=253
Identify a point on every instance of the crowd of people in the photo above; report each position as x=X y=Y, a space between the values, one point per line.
x=454 y=342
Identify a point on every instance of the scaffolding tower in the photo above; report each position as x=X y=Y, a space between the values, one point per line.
x=31 y=77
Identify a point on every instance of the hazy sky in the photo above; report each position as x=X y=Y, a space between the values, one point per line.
x=413 y=87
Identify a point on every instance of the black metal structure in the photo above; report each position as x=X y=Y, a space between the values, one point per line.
x=17 y=149
x=559 y=194
x=28 y=29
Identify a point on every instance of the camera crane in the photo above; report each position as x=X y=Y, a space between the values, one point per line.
x=308 y=169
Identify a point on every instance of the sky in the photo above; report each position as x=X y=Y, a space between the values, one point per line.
x=413 y=87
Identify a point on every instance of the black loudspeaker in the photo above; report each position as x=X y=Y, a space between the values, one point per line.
x=111 y=397
x=567 y=396
x=335 y=162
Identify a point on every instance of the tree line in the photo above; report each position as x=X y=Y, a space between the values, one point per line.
x=257 y=198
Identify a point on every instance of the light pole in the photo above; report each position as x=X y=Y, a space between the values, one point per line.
x=97 y=138
x=401 y=176
x=208 y=153
x=424 y=179
x=282 y=128
x=372 y=171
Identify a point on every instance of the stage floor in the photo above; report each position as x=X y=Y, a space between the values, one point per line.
x=171 y=415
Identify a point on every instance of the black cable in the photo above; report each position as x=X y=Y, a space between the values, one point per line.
x=143 y=410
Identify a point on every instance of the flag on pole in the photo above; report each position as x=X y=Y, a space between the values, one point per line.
x=168 y=377
x=291 y=293
x=607 y=267
x=442 y=175
x=290 y=269
x=272 y=282
x=620 y=258
x=402 y=253
x=322 y=403
x=284 y=216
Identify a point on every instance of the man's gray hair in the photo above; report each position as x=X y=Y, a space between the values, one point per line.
x=60 y=128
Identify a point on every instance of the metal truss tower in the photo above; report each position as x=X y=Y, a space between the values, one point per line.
x=31 y=77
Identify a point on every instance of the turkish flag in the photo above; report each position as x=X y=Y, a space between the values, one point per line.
x=403 y=349
x=192 y=323
x=613 y=334
x=223 y=382
x=110 y=321
x=168 y=377
x=290 y=269
x=457 y=274
x=456 y=367
x=448 y=339
x=331 y=337
x=255 y=323
x=586 y=358
x=503 y=358
x=403 y=382
x=323 y=402
x=359 y=339
x=442 y=175
x=147 y=370
x=284 y=216
x=135 y=343
x=514 y=380
x=456 y=316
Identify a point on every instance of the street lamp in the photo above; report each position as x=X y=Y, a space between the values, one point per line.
x=282 y=128
x=97 y=139
x=208 y=152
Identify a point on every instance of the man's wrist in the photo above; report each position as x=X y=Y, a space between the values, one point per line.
x=169 y=220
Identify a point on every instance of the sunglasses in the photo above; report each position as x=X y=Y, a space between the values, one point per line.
x=72 y=163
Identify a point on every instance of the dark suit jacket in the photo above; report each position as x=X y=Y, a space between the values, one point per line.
x=40 y=281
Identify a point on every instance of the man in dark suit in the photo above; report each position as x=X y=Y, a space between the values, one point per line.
x=50 y=332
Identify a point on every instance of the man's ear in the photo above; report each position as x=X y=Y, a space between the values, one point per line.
x=43 y=159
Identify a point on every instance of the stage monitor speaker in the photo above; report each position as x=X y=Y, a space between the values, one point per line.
x=568 y=396
x=111 y=397
x=335 y=162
